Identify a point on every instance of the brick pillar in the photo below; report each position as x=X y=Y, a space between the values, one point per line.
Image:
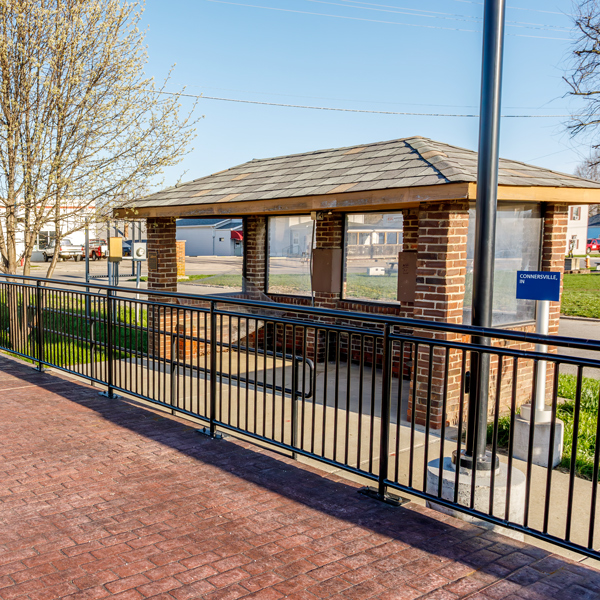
x=410 y=229
x=329 y=234
x=553 y=251
x=162 y=241
x=441 y=268
x=162 y=277
x=554 y=242
x=255 y=248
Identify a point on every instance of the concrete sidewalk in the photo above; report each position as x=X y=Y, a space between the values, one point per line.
x=107 y=499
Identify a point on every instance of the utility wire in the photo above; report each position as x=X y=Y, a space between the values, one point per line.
x=428 y=14
x=351 y=110
x=347 y=18
x=548 y=12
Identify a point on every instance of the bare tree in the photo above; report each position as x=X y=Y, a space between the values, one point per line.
x=81 y=126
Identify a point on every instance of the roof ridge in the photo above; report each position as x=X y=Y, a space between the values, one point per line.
x=426 y=160
x=321 y=151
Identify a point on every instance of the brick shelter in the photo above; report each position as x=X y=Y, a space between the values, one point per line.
x=429 y=186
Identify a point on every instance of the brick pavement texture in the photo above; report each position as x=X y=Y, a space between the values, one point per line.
x=108 y=499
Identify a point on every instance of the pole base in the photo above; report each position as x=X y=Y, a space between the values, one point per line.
x=388 y=498
x=483 y=464
x=206 y=431
x=110 y=395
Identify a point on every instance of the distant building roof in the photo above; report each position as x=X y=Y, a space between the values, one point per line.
x=594 y=221
x=397 y=164
x=201 y=222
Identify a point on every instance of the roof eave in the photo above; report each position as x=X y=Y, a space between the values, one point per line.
x=389 y=199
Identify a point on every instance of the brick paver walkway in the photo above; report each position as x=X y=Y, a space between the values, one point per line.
x=106 y=499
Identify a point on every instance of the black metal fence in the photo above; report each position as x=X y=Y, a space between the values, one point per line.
x=384 y=398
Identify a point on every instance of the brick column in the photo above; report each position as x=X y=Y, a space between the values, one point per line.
x=410 y=229
x=162 y=240
x=441 y=268
x=554 y=242
x=255 y=249
x=553 y=251
x=162 y=277
x=329 y=234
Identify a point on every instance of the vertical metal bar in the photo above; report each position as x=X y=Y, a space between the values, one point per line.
x=325 y=386
x=274 y=381
x=219 y=413
x=174 y=329
x=551 y=450
x=348 y=399
x=428 y=417
x=530 y=445
x=303 y=408
x=461 y=410
x=361 y=373
x=573 y=466
x=372 y=407
x=485 y=227
x=384 y=435
x=40 y=325
x=294 y=395
x=594 y=476
x=511 y=436
x=213 y=369
x=109 y=343
x=443 y=430
x=413 y=413
x=399 y=409
x=230 y=378
x=495 y=432
x=336 y=394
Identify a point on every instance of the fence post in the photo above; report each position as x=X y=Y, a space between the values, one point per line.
x=40 y=326
x=174 y=359
x=109 y=346
x=211 y=430
x=384 y=437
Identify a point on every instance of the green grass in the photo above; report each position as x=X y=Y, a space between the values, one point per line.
x=588 y=415
x=64 y=331
x=581 y=295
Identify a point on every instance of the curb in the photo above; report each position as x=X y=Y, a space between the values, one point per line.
x=568 y=318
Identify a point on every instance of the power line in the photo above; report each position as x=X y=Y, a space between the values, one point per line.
x=262 y=92
x=347 y=18
x=401 y=10
x=548 y=12
x=351 y=110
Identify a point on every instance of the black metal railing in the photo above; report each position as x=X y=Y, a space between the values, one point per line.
x=384 y=398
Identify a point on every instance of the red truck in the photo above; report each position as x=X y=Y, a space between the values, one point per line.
x=593 y=245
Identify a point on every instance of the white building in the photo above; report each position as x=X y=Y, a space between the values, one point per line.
x=577 y=228
x=211 y=237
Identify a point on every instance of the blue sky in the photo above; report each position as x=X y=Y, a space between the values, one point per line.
x=383 y=55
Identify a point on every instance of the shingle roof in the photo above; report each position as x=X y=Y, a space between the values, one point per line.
x=409 y=162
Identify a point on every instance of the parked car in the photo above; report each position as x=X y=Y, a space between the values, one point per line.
x=66 y=250
x=98 y=249
x=592 y=245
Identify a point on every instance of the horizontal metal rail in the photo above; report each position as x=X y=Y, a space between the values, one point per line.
x=381 y=397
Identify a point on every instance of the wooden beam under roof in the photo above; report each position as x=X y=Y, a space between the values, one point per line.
x=374 y=200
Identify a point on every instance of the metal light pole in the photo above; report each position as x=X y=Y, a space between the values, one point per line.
x=485 y=227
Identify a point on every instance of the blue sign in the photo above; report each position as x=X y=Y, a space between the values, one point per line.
x=538 y=285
